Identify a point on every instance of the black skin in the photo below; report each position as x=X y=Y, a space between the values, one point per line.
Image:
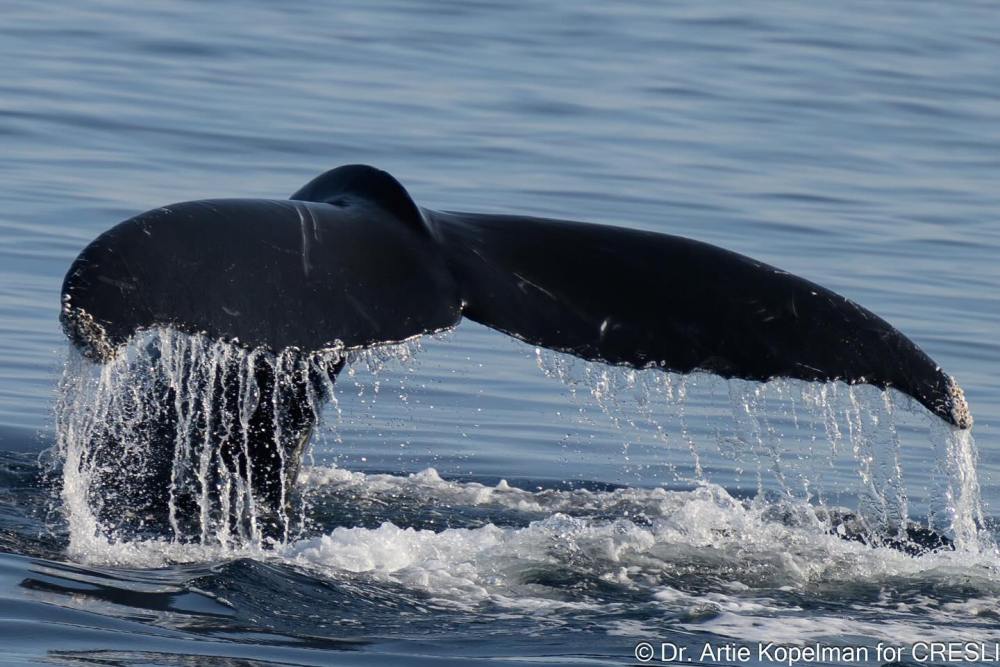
x=351 y=259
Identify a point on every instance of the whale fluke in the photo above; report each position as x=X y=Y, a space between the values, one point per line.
x=265 y=273
x=352 y=261
x=645 y=299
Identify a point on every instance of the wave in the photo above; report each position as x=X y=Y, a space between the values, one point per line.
x=699 y=559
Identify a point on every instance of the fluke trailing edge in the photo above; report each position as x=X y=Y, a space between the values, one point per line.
x=351 y=260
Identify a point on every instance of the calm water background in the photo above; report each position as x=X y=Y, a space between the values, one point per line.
x=856 y=144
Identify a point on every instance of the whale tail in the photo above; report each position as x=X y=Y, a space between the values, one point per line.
x=351 y=261
x=644 y=299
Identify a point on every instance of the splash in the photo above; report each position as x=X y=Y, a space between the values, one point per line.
x=183 y=440
x=186 y=436
x=703 y=558
x=791 y=435
x=958 y=505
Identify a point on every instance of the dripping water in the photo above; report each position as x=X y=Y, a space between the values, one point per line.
x=116 y=457
x=190 y=440
x=792 y=434
x=184 y=435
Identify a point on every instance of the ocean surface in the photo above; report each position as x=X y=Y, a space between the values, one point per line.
x=472 y=500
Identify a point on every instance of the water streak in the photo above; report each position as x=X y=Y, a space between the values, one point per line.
x=791 y=432
x=212 y=434
x=195 y=436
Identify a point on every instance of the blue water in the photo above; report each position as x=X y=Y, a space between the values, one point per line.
x=855 y=144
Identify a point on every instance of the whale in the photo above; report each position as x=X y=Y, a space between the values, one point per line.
x=350 y=261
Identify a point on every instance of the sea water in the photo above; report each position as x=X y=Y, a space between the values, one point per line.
x=459 y=505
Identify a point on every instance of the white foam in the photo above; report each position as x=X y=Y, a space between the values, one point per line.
x=721 y=564
x=705 y=524
x=793 y=433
